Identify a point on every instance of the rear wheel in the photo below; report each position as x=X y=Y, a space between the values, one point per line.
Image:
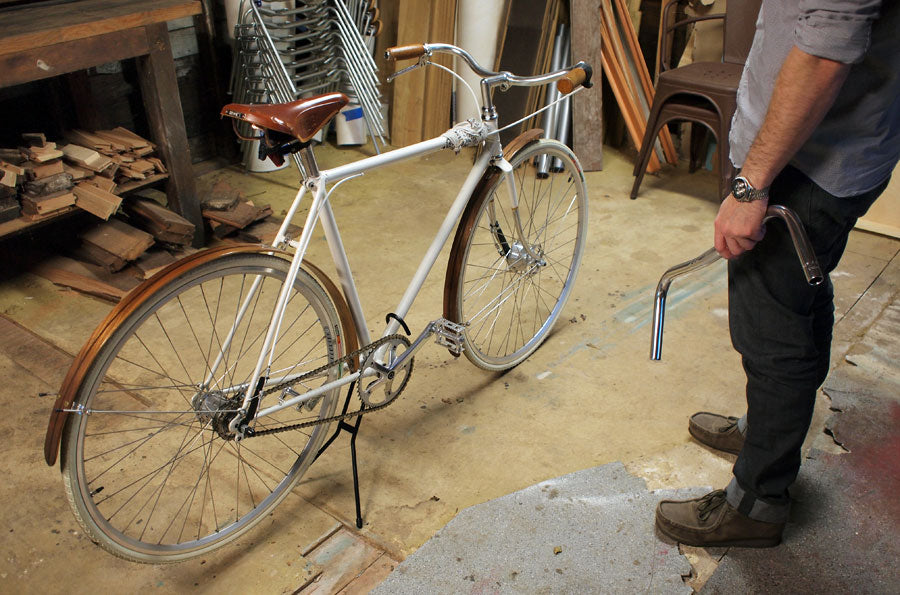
x=150 y=467
x=507 y=298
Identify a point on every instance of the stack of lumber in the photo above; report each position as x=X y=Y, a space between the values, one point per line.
x=115 y=255
x=11 y=175
x=46 y=188
x=113 y=244
x=227 y=211
x=626 y=71
x=89 y=170
x=168 y=228
x=119 y=154
x=108 y=163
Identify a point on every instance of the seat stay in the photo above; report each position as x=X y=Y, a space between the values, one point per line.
x=267 y=349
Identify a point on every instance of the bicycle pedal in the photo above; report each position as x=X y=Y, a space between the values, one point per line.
x=450 y=335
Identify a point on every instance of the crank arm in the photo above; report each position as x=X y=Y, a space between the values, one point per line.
x=429 y=330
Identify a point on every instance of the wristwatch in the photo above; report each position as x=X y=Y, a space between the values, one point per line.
x=744 y=191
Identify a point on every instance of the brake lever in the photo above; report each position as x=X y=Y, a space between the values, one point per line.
x=422 y=62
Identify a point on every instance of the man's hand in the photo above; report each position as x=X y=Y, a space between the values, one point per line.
x=739 y=226
x=804 y=91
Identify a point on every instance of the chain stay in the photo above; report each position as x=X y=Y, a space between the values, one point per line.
x=344 y=360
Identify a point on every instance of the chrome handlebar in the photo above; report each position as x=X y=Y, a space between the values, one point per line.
x=805 y=253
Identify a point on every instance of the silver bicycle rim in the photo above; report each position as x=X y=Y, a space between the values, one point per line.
x=159 y=484
x=509 y=302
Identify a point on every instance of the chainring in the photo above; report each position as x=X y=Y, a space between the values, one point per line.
x=392 y=382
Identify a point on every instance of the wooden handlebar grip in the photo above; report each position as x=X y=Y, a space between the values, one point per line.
x=570 y=82
x=405 y=52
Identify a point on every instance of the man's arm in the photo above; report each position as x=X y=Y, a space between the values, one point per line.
x=804 y=91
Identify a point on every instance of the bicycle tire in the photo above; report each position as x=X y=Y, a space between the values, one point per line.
x=158 y=482
x=507 y=301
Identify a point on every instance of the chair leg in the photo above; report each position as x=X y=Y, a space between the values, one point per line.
x=643 y=158
x=699 y=136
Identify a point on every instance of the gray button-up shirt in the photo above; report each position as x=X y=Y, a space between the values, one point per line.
x=857 y=145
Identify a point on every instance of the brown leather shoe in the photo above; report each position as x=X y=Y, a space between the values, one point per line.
x=710 y=521
x=717 y=431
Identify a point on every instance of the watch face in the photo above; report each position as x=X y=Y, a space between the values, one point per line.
x=739 y=187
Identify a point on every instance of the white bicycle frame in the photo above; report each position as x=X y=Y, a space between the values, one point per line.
x=469 y=133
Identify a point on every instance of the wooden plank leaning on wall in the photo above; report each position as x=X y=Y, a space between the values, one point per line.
x=587 y=106
x=421 y=103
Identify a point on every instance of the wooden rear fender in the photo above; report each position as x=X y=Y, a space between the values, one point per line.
x=80 y=365
x=467 y=220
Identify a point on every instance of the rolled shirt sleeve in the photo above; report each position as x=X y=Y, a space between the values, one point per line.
x=838 y=30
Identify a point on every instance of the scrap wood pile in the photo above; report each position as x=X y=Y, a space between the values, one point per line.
x=112 y=257
x=104 y=173
x=626 y=71
x=231 y=216
x=88 y=171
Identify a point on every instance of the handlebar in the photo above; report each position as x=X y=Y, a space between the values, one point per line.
x=580 y=74
x=808 y=263
x=568 y=78
x=405 y=52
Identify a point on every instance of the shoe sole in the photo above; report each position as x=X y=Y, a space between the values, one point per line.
x=708 y=445
x=756 y=543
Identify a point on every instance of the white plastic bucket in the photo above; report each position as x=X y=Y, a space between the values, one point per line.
x=351 y=125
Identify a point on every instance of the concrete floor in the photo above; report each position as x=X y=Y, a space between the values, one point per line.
x=458 y=436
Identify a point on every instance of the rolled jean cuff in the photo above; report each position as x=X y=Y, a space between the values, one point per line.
x=742 y=425
x=758 y=510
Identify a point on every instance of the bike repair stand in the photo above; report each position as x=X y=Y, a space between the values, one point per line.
x=353 y=430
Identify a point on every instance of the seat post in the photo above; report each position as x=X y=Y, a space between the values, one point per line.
x=308 y=162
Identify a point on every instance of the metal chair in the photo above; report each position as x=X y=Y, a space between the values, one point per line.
x=702 y=92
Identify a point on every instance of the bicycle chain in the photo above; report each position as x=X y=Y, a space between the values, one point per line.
x=346 y=359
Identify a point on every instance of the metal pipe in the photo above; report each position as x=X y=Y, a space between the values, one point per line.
x=564 y=113
x=550 y=116
x=805 y=253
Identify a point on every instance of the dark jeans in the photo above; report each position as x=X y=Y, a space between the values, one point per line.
x=782 y=328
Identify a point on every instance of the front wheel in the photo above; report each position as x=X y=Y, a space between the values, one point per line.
x=507 y=296
x=151 y=469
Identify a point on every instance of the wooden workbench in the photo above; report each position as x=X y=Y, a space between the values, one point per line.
x=40 y=41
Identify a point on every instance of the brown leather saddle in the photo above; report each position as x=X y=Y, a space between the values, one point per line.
x=300 y=120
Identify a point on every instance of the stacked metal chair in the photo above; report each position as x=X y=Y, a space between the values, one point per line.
x=287 y=50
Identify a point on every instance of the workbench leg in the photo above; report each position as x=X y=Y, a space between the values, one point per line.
x=159 y=88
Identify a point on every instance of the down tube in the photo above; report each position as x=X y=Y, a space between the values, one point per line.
x=440 y=239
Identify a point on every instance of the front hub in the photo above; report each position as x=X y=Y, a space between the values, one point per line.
x=519 y=261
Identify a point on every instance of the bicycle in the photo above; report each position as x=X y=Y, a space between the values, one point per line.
x=204 y=396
